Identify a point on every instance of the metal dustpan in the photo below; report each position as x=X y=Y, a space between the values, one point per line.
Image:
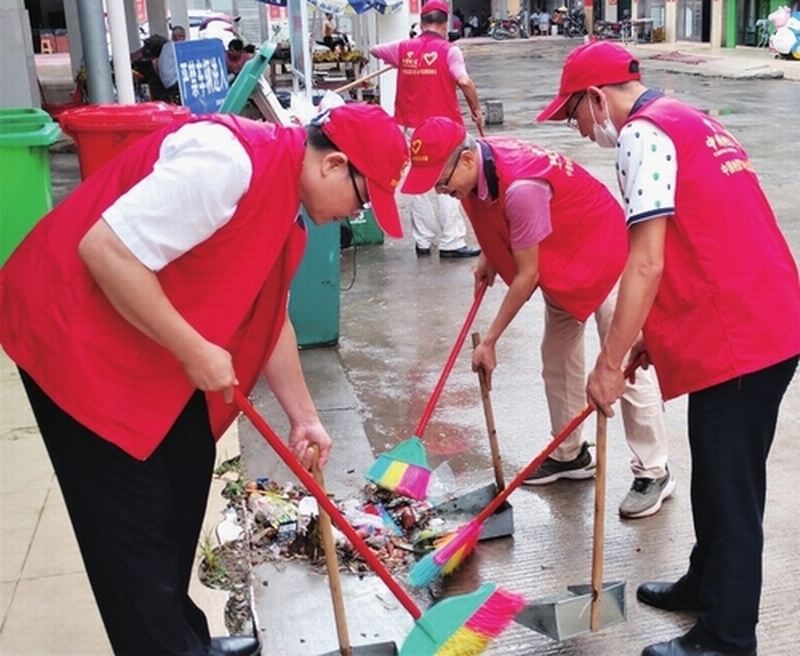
x=583 y=608
x=501 y=523
x=568 y=614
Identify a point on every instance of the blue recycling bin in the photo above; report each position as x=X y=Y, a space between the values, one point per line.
x=314 y=305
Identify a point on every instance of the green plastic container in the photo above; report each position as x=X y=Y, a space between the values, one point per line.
x=26 y=190
x=314 y=299
x=366 y=230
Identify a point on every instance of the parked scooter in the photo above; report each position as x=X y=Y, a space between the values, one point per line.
x=614 y=29
x=574 y=22
x=508 y=28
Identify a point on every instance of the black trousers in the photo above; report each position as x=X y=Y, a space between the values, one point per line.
x=731 y=428
x=137 y=524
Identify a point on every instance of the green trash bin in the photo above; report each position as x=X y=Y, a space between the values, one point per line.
x=365 y=229
x=314 y=293
x=26 y=190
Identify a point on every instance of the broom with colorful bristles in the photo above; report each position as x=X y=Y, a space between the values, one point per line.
x=462 y=625
x=452 y=551
x=404 y=469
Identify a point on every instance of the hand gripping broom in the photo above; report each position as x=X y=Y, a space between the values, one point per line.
x=463 y=624
x=404 y=469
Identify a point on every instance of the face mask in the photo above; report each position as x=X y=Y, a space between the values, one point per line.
x=604 y=135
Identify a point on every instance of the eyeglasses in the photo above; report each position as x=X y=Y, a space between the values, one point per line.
x=443 y=184
x=572 y=121
x=362 y=204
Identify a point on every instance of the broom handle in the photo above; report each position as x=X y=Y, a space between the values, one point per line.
x=311 y=485
x=363 y=78
x=598 y=537
x=451 y=359
x=332 y=564
x=490 y=427
x=498 y=501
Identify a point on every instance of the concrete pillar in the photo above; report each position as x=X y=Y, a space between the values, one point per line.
x=179 y=14
x=610 y=10
x=157 y=17
x=715 y=35
x=671 y=21
x=95 y=50
x=75 y=40
x=119 y=52
x=18 y=85
x=132 y=24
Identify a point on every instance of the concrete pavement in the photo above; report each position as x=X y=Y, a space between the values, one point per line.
x=369 y=390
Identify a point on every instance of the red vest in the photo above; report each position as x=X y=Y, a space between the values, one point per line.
x=729 y=301
x=583 y=257
x=425 y=87
x=59 y=327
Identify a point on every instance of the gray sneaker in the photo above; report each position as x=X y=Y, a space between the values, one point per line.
x=580 y=467
x=645 y=496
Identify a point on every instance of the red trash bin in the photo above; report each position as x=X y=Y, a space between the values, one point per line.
x=102 y=131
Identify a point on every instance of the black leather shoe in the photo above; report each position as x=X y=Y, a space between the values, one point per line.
x=234 y=646
x=422 y=251
x=464 y=251
x=668 y=596
x=684 y=647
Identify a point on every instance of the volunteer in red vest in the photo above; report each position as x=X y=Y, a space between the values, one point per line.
x=543 y=221
x=429 y=70
x=136 y=305
x=713 y=285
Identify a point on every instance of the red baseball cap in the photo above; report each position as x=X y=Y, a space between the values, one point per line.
x=431 y=146
x=376 y=147
x=594 y=64
x=435 y=5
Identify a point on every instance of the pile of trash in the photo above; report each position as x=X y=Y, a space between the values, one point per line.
x=268 y=521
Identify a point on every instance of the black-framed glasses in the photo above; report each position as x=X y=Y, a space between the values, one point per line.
x=443 y=184
x=572 y=121
x=362 y=204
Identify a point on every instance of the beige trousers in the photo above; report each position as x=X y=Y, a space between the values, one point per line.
x=563 y=371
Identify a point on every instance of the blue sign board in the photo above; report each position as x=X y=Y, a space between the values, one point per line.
x=202 y=74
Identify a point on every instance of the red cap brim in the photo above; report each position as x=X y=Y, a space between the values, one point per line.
x=384 y=207
x=555 y=111
x=421 y=180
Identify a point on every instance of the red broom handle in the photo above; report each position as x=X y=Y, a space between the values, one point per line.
x=322 y=498
x=538 y=460
x=451 y=359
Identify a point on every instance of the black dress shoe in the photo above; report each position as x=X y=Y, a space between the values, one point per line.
x=234 y=646
x=684 y=647
x=464 y=251
x=422 y=251
x=669 y=596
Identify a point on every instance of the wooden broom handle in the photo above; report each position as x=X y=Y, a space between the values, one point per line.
x=490 y=427
x=598 y=537
x=332 y=563
x=451 y=359
x=285 y=454
x=362 y=79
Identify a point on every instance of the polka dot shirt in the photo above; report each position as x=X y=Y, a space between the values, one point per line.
x=646 y=171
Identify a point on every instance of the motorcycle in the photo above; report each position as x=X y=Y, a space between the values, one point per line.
x=614 y=29
x=574 y=23
x=507 y=28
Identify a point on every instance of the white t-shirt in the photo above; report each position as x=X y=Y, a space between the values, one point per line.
x=647 y=168
x=201 y=174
